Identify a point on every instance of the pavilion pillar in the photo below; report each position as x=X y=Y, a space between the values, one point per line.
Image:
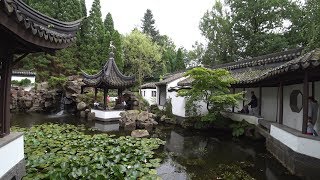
x=233 y=92
x=260 y=99
x=95 y=94
x=281 y=103
x=305 y=102
x=104 y=98
x=5 y=87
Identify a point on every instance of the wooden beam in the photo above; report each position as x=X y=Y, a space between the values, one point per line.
x=281 y=103
x=313 y=89
x=233 y=92
x=260 y=100
x=305 y=103
x=5 y=87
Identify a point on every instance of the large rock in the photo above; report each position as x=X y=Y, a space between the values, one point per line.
x=132 y=115
x=81 y=106
x=74 y=86
x=91 y=116
x=140 y=133
x=83 y=114
x=147 y=125
x=43 y=86
x=130 y=126
x=143 y=116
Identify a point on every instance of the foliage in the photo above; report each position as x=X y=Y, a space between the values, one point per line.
x=239 y=128
x=57 y=82
x=24 y=82
x=143 y=57
x=168 y=109
x=148 y=26
x=216 y=26
x=179 y=64
x=211 y=87
x=88 y=98
x=241 y=29
x=64 y=152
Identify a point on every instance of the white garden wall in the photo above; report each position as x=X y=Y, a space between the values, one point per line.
x=11 y=154
x=147 y=95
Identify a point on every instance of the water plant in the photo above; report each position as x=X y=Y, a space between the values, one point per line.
x=55 y=151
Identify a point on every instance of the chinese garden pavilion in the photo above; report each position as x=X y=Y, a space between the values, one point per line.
x=109 y=77
x=23 y=31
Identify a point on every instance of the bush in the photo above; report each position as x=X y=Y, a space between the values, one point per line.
x=24 y=82
x=57 y=82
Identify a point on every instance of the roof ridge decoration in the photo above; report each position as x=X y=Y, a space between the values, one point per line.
x=40 y=25
x=262 y=60
x=110 y=76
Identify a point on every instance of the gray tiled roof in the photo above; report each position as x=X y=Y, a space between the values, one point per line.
x=23 y=73
x=150 y=85
x=171 y=78
x=109 y=77
x=40 y=25
x=253 y=74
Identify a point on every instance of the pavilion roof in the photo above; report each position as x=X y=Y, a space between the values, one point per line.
x=28 y=30
x=261 y=68
x=109 y=77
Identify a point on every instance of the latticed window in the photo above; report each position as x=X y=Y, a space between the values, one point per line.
x=154 y=93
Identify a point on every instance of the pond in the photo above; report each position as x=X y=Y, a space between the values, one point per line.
x=191 y=154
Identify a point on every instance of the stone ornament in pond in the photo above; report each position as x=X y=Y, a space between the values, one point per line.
x=140 y=133
x=134 y=119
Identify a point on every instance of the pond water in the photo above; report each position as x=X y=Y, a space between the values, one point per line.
x=190 y=154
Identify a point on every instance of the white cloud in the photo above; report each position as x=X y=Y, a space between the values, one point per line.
x=179 y=19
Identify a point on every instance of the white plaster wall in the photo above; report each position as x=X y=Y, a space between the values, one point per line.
x=239 y=104
x=10 y=155
x=269 y=103
x=178 y=104
x=301 y=145
x=19 y=78
x=317 y=91
x=147 y=95
x=175 y=82
x=239 y=117
x=106 y=114
x=291 y=119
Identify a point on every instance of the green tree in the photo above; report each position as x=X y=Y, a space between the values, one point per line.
x=180 y=64
x=109 y=24
x=258 y=25
x=311 y=26
x=148 y=26
x=211 y=87
x=64 y=61
x=96 y=47
x=216 y=25
x=117 y=42
x=168 y=52
x=142 y=56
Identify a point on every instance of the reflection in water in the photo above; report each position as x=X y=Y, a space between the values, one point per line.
x=188 y=154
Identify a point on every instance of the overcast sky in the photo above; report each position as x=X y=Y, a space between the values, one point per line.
x=179 y=19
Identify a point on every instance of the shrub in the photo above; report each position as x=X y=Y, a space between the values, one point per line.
x=24 y=82
x=57 y=82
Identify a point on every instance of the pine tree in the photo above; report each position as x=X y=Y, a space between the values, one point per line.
x=148 y=26
x=97 y=39
x=108 y=23
x=117 y=42
x=179 y=61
